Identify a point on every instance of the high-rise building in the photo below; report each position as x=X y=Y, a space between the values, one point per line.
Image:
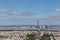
x=46 y=27
x=38 y=26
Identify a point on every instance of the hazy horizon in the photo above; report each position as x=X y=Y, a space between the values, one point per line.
x=26 y=12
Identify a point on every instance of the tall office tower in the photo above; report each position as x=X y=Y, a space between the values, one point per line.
x=46 y=27
x=38 y=26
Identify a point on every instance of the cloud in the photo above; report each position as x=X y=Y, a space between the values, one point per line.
x=26 y=14
x=21 y=13
x=14 y=13
x=3 y=10
x=57 y=10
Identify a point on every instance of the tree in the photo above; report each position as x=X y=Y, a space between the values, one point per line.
x=30 y=37
x=52 y=36
x=47 y=37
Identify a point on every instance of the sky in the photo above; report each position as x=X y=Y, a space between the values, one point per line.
x=27 y=12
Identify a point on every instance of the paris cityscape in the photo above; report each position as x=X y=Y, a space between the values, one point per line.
x=29 y=19
x=20 y=32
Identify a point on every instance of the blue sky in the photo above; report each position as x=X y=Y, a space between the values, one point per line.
x=24 y=12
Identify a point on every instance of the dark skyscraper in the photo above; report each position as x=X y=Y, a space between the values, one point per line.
x=46 y=27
